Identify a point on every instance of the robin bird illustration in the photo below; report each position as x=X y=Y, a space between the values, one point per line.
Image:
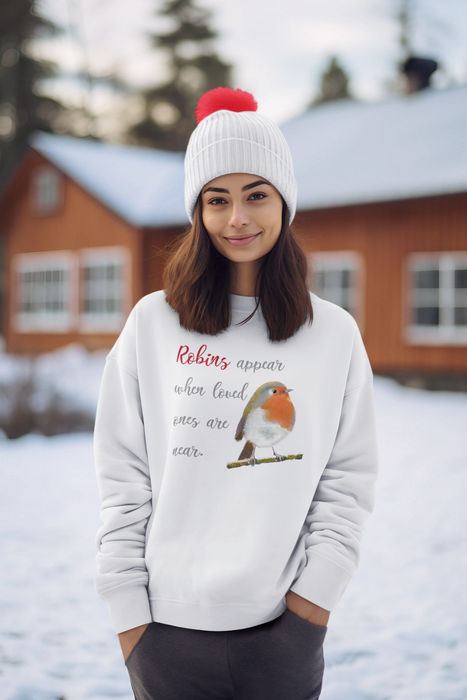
x=267 y=419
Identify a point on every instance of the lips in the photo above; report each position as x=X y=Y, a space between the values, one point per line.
x=242 y=240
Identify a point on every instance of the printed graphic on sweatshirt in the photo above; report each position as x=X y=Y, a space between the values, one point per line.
x=269 y=415
x=268 y=418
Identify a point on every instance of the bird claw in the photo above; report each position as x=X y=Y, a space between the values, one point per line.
x=252 y=461
x=278 y=458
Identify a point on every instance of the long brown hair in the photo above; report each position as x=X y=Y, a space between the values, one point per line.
x=197 y=281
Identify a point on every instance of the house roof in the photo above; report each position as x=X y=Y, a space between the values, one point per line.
x=344 y=152
x=144 y=186
x=354 y=152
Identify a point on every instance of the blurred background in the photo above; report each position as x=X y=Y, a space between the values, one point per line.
x=97 y=102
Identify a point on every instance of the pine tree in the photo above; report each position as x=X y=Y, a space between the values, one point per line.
x=334 y=84
x=195 y=67
x=22 y=108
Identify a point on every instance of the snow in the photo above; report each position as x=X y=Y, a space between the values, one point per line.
x=344 y=152
x=143 y=185
x=354 y=152
x=73 y=373
x=67 y=378
x=55 y=637
x=399 y=633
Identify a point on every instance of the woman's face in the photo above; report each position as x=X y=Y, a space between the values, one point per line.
x=242 y=215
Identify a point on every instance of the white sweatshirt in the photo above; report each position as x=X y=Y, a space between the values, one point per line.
x=189 y=537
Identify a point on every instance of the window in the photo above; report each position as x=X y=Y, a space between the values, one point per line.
x=46 y=190
x=51 y=296
x=337 y=277
x=437 y=298
x=104 y=289
x=44 y=291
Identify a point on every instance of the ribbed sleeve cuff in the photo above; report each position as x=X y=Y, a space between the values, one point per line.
x=129 y=607
x=322 y=582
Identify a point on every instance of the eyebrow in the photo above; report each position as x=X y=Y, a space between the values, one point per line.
x=244 y=189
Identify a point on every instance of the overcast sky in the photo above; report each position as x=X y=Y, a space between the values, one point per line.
x=278 y=47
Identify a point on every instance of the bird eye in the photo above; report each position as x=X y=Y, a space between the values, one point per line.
x=274 y=391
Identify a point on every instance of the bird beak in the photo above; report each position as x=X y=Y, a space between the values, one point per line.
x=289 y=390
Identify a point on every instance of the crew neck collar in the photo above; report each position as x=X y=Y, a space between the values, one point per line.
x=242 y=304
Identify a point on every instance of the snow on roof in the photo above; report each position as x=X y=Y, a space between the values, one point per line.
x=353 y=152
x=144 y=186
x=344 y=152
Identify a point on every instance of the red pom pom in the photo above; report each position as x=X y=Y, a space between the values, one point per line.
x=224 y=98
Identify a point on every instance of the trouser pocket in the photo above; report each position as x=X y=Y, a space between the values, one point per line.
x=140 y=643
x=316 y=631
x=279 y=660
x=175 y=663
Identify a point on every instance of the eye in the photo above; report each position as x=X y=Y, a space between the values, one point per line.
x=257 y=196
x=274 y=391
x=217 y=200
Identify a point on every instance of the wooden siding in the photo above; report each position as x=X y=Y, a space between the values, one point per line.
x=385 y=234
x=82 y=222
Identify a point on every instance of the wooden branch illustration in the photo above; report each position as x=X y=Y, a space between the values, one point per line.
x=268 y=460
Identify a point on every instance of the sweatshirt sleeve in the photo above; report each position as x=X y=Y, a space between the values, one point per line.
x=344 y=498
x=125 y=489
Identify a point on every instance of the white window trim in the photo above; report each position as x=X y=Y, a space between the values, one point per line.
x=103 y=323
x=447 y=333
x=45 y=322
x=36 y=174
x=354 y=259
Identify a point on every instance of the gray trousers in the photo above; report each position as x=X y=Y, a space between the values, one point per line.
x=279 y=660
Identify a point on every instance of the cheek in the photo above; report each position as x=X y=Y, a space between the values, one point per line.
x=274 y=214
x=216 y=241
x=213 y=231
x=273 y=236
x=274 y=223
x=211 y=224
x=276 y=227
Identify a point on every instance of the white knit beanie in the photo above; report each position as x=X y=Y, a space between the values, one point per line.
x=232 y=138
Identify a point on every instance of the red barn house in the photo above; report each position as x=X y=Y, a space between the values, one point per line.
x=382 y=212
x=82 y=226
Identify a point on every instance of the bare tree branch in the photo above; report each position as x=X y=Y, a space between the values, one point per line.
x=268 y=460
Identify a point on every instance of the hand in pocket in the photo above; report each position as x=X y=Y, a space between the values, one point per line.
x=306 y=609
x=130 y=638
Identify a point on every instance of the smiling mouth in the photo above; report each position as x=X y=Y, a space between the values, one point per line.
x=242 y=240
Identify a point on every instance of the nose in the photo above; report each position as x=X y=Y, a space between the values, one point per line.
x=238 y=218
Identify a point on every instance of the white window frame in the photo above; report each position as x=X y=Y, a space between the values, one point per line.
x=46 y=190
x=45 y=321
x=446 y=333
x=105 y=322
x=337 y=260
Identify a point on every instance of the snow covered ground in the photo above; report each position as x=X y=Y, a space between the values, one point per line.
x=399 y=633
x=52 y=393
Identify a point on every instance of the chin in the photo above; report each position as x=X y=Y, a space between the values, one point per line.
x=245 y=258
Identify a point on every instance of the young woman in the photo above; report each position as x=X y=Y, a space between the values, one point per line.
x=235 y=444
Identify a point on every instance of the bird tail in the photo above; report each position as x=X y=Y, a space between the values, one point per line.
x=248 y=450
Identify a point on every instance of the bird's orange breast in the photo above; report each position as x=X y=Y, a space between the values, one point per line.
x=279 y=409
